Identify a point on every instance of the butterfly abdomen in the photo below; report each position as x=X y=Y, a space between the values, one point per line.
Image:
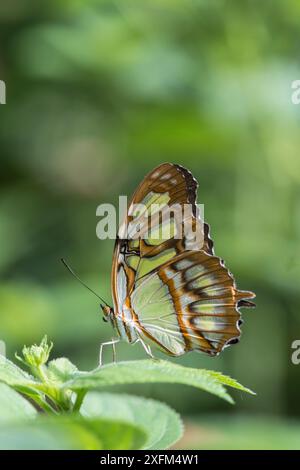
x=125 y=329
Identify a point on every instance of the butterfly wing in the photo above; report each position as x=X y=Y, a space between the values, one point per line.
x=171 y=185
x=190 y=302
x=167 y=185
x=174 y=319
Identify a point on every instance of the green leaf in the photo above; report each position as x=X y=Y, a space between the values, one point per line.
x=12 y=375
x=162 y=424
x=61 y=369
x=225 y=380
x=151 y=371
x=13 y=407
x=62 y=433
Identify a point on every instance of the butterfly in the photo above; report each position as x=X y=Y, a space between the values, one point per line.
x=171 y=292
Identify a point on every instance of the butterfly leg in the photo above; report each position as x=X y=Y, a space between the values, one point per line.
x=107 y=343
x=146 y=347
x=114 y=352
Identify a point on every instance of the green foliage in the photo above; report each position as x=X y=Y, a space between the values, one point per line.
x=13 y=406
x=79 y=418
x=162 y=424
x=152 y=371
x=71 y=432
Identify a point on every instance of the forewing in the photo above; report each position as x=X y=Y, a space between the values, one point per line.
x=138 y=251
x=169 y=185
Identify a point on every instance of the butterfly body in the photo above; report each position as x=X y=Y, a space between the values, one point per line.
x=171 y=291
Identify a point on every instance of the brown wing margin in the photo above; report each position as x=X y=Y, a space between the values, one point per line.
x=192 y=189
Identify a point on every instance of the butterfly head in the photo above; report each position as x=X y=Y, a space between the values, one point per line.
x=107 y=311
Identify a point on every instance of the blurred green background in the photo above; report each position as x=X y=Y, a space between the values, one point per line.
x=98 y=93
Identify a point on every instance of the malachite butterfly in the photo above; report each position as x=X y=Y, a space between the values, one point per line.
x=166 y=294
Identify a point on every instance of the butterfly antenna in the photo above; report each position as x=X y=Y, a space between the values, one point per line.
x=81 y=282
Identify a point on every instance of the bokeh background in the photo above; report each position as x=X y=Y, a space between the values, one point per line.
x=98 y=93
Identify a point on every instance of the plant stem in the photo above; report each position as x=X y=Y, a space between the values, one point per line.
x=46 y=407
x=41 y=374
x=79 y=399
